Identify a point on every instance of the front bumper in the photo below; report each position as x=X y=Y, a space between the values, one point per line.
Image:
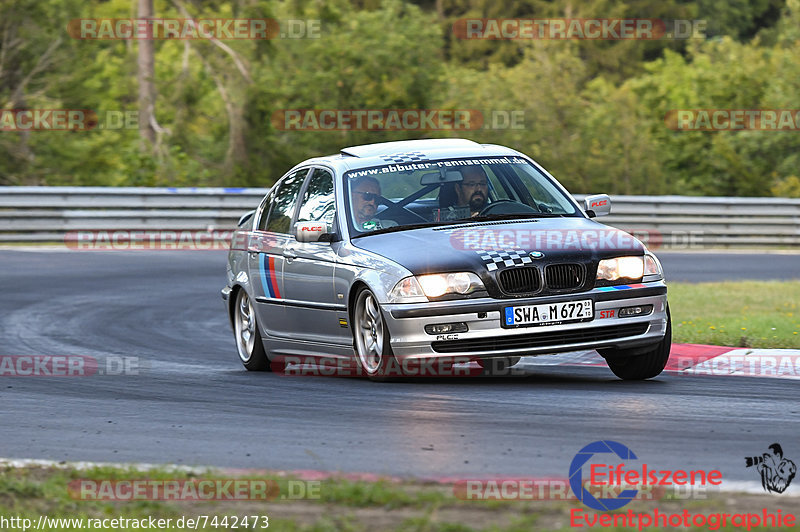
x=486 y=338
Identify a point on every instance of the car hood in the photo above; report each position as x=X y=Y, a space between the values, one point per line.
x=488 y=246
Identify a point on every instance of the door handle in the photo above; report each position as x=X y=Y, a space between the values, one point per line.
x=289 y=254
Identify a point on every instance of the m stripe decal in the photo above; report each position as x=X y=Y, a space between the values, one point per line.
x=620 y=287
x=269 y=279
x=262 y=270
x=273 y=278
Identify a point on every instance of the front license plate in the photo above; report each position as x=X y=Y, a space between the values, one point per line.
x=548 y=313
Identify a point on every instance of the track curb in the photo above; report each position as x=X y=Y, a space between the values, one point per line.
x=701 y=360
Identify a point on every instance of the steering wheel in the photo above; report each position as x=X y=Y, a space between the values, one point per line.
x=393 y=210
x=507 y=206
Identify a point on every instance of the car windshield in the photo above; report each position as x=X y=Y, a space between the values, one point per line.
x=443 y=191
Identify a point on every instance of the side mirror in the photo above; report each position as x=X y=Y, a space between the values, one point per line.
x=597 y=205
x=312 y=232
x=245 y=217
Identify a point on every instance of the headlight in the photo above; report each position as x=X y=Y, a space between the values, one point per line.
x=407 y=290
x=439 y=284
x=417 y=289
x=652 y=268
x=620 y=267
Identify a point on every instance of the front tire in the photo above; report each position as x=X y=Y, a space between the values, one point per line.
x=248 y=336
x=371 y=338
x=647 y=365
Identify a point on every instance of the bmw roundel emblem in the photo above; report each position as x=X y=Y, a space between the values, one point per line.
x=536 y=254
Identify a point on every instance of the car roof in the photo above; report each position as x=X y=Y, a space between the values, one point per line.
x=406 y=151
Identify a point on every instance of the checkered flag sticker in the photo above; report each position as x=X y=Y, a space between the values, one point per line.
x=505 y=258
x=406 y=157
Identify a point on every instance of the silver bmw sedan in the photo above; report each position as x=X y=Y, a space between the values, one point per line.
x=386 y=260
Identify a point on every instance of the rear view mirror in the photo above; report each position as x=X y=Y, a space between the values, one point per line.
x=597 y=205
x=433 y=178
x=312 y=232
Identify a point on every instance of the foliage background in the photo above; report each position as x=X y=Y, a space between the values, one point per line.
x=593 y=110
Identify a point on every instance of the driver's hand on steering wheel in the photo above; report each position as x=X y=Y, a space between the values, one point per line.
x=479 y=211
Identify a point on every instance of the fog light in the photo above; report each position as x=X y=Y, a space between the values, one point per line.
x=446 y=328
x=641 y=310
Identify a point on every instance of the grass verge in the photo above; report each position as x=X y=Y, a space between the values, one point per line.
x=336 y=504
x=761 y=314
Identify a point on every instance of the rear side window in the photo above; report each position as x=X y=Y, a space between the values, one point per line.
x=262 y=218
x=283 y=202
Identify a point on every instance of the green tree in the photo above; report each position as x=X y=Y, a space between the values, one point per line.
x=357 y=63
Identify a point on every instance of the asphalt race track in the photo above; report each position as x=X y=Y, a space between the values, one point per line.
x=694 y=267
x=192 y=402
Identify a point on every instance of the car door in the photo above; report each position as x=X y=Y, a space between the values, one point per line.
x=311 y=304
x=266 y=258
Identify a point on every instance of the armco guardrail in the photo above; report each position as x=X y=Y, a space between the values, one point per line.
x=701 y=222
x=47 y=214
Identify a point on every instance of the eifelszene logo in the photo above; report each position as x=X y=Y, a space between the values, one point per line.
x=576 y=475
x=616 y=476
x=776 y=471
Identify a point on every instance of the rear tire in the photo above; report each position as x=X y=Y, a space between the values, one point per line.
x=647 y=365
x=248 y=336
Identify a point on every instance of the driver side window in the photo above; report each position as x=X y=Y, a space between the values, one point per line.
x=318 y=200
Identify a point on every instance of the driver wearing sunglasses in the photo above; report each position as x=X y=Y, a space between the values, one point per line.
x=365 y=197
x=366 y=194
